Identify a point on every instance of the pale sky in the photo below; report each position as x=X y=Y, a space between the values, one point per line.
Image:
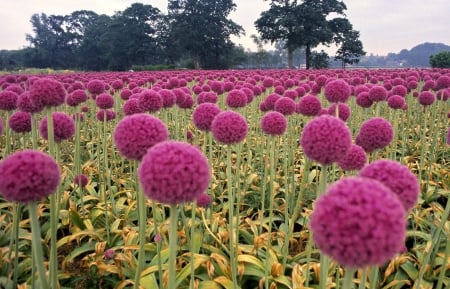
x=384 y=25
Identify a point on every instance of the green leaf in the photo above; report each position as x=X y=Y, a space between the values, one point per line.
x=76 y=220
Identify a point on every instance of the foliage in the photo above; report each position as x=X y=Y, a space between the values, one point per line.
x=351 y=48
x=440 y=60
x=320 y=60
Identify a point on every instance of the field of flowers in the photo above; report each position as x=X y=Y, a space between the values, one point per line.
x=225 y=179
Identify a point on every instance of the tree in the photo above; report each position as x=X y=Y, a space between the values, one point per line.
x=261 y=53
x=440 y=60
x=351 y=48
x=320 y=60
x=201 y=29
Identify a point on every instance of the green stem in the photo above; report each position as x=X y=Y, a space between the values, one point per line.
x=373 y=277
x=348 y=278
x=142 y=213
x=192 y=241
x=36 y=245
x=362 y=283
x=444 y=265
x=172 y=246
x=272 y=156
x=231 y=228
x=324 y=260
x=423 y=146
x=106 y=181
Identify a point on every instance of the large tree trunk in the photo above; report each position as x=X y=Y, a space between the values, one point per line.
x=308 y=56
x=290 y=51
x=197 y=60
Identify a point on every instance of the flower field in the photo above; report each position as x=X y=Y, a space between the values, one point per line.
x=225 y=179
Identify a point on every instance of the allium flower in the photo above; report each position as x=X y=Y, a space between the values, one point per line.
x=268 y=82
x=131 y=106
x=448 y=136
x=205 y=96
x=110 y=254
x=76 y=97
x=174 y=172
x=24 y=103
x=285 y=105
x=273 y=123
x=375 y=133
x=309 y=105
x=354 y=159
x=104 y=101
x=135 y=134
x=204 y=114
x=81 y=180
x=399 y=90
x=426 y=98
x=396 y=101
x=337 y=91
x=47 y=92
x=20 y=121
x=359 y=222
x=279 y=89
x=125 y=94
x=292 y=94
x=105 y=113
x=443 y=81
x=187 y=103
x=343 y=113
x=15 y=88
x=269 y=101
x=189 y=135
x=169 y=99
x=204 y=200
x=363 y=100
x=28 y=176
x=150 y=100
x=248 y=93
x=8 y=100
x=326 y=139
x=96 y=86
x=397 y=177
x=63 y=127
x=229 y=127
x=236 y=98
x=377 y=93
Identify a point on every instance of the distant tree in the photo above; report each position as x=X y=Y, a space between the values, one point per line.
x=202 y=29
x=320 y=60
x=440 y=60
x=351 y=48
x=261 y=54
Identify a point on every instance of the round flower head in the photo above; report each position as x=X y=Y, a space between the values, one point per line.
x=8 y=100
x=169 y=99
x=125 y=94
x=24 y=103
x=96 y=86
x=399 y=90
x=236 y=98
x=285 y=105
x=174 y=172
x=443 y=81
x=28 y=176
x=426 y=98
x=363 y=100
x=150 y=100
x=47 y=92
x=377 y=93
x=343 y=113
x=270 y=100
x=375 y=133
x=135 y=134
x=309 y=105
x=273 y=123
x=131 y=106
x=229 y=127
x=359 y=222
x=293 y=94
x=354 y=159
x=81 y=180
x=204 y=200
x=204 y=114
x=76 y=97
x=396 y=101
x=326 y=139
x=20 y=122
x=63 y=127
x=104 y=101
x=187 y=103
x=337 y=91
x=107 y=114
x=397 y=177
x=448 y=136
x=206 y=96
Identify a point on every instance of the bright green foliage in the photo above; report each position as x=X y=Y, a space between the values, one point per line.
x=440 y=60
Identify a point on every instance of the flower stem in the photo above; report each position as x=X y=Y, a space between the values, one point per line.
x=142 y=214
x=231 y=228
x=348 y=278
x=172 y=246
x=324 y=260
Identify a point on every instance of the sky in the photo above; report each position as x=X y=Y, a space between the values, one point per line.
x=384 y=25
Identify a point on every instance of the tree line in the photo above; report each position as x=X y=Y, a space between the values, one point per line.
x=192 y=34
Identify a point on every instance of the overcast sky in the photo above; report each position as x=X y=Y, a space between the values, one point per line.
x=385 y=25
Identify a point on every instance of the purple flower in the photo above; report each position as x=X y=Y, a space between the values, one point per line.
x=173 y=172
x=326 y=139
x=292 y=94
x=24 y=103
x=28 y=176
x=269 y=101
x=150 y=100
x=377 y=93
x=207 y=96
x=426 y=98
x=125 y=94
x=354 y=159
x=109 y=254
x=107 y=114
x=204 y=114
x=96 y=86
x=443 y=81
x=359 y=222
x=76 y=97
x=309 y=105
x=47 y=92
x=343 y=113
x=399 y=90
x=187 y=103
x=236 y=98
x=81 y=180
x=273 y=123
x=363 y=100
x=136 y=133
x=104 y=101
x=337 y=91
x=285 y=105
x=375 y=133
x=169 y=99
x=448 y=136
x=229 y=127
x=8 y=100
x=63 y=127
x=131 y=106
x=204 y=200
x=20 y=122
x=397 y=178
x=396 y=101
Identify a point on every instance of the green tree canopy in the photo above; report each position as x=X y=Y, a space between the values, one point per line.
x=440 y=60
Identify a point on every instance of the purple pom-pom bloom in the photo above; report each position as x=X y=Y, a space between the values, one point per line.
x=8 y=100
x=337 y=91
x=396 y=177
x=309 y=105
x=375 y=133
x=24 y=103
x=28 y=176
x=81 y=180
x=96 y=86
x=229 y=127
x=359 y=222
x=273 y=123
x=63 y=127
x=204 y=114
x=136 y=133
x=20 y=122
x=104 y=101
x=236 y=98
x=150 y=100
x=355 y=159
x=326 y=139
x=131 y=106
x=47 y=92
x=107 y=114
x=448 y=136
x=396 y=101
x=174 y=172
x=377 y=93
x=343 y=113
x=204 y=200
x=76 y=97
x=426 y=98
x=363 y=100
x=285 y=105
